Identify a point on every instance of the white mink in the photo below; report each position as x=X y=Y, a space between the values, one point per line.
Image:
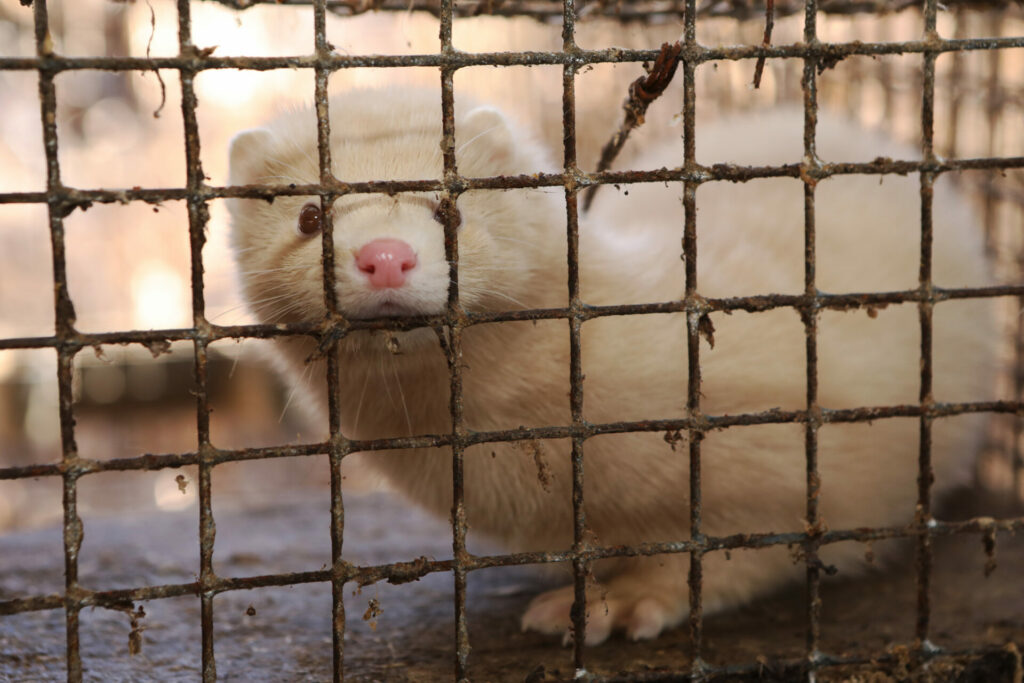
x=512 y=254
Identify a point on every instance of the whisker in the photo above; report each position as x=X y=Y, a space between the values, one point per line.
x=502 y=238
x=261 y=306
x=473 y=139
x=295 y=387
x=480 y=291
x=279 y=269
x=401 y=394
x=387 y=389
x=359 y=407
x=217 y=316
x=268 y=299
x=238 y=357
x=276 y=315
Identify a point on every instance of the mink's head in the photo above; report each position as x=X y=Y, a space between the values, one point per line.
x=389 y=253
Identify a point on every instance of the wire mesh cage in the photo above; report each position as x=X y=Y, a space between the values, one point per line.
x=948 y=80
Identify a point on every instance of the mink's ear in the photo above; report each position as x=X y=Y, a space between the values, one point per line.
x=485 y=135
x=248 y=155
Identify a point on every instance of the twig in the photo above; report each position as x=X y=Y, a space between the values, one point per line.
x=769 y=24
x=149 y=45
x=642 y=92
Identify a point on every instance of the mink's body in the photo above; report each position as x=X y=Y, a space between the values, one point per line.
x=513 y=255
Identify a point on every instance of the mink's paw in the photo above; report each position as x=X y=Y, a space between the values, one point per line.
x=618 y=607
x=550 y=613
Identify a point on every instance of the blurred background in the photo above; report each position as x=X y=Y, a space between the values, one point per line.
x=128 y=265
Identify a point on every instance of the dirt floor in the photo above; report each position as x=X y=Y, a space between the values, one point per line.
x=277 y=634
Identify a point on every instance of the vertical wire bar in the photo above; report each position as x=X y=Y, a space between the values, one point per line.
x=73 y=530
x=580 y=566
x=926 y=475
x=338 y=449
x=323 y=140
x=64 y=324
x=198 y=216
x=809 y=84
x=695 y=578
x=339 y=444
x=455 y=316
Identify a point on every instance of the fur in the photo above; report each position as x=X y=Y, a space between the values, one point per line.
x=512 y=254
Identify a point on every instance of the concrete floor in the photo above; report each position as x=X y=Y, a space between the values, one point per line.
x=286 y=634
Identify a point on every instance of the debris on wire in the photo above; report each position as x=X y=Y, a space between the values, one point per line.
x=642 y=92
x=766 y=41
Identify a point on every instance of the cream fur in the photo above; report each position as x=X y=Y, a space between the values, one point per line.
x=512 y=254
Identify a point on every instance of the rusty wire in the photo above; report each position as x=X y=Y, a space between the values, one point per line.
x=623 y=10
x=816 y=57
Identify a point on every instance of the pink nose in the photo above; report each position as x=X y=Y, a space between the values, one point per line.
x=385 y=262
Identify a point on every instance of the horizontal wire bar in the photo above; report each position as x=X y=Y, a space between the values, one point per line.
x=83 y=466
x=70 y=198
x=404 y=572
x=631 y=10
x=829 y=53
x=158 y=340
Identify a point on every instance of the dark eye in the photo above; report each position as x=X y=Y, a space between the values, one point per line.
x=310 y=220
x=444 y=208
